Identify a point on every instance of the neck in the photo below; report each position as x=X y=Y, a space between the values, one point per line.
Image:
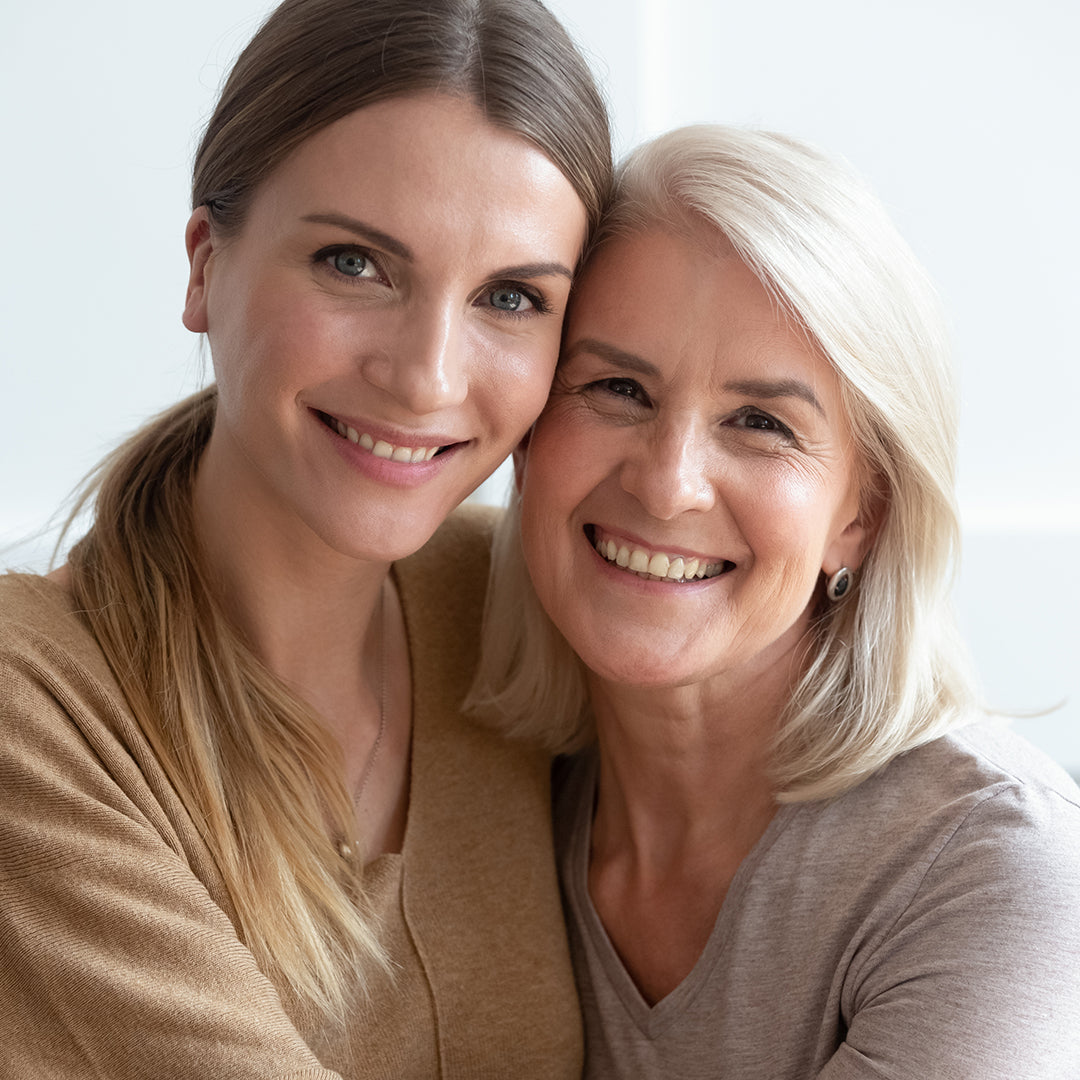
x=684 y=771
x=309 y=613
x=303 y=608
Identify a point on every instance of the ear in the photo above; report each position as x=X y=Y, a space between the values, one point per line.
x=200 y=246
x=521 y=457
x=855 y=539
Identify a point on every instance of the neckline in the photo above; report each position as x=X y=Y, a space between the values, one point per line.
x=652 y=1020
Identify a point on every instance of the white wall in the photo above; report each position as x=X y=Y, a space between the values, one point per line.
x=962 y=113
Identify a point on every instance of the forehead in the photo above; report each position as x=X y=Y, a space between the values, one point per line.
x=433 y=160
x=672 y=292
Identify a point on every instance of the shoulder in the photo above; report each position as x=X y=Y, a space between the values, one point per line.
x=1018 y=816
x=28 y=602
x=460 y=546
x=977 y=824
x=949 y=778
x=976 y=811
x=988 y=920
x=446 y=580
x=41 y=630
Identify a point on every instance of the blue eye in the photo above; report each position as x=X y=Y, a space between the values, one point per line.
x=351 y=263
x=507 y=299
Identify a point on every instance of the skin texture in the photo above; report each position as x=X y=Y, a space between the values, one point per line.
x=411 y=348
x=404 y=273
x=688 y=417
x=670 y=428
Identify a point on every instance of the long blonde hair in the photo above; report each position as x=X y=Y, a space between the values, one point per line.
x=254 y=766
x=887 y=671
x=234 y=742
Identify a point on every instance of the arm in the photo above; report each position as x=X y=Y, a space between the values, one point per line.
x=115 y=960
x=980 y=977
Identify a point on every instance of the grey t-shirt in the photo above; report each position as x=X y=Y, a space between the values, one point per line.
x=924 y=925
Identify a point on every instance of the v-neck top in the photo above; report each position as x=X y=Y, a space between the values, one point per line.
x=925 y=924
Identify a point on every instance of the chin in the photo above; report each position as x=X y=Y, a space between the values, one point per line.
x=375 y=540
x=643 y=668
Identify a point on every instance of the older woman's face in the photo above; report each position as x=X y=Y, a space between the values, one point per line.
x=691 y=475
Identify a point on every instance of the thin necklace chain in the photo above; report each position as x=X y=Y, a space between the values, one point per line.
x=366 y=775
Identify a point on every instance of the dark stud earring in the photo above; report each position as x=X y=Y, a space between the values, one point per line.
x=837 y=585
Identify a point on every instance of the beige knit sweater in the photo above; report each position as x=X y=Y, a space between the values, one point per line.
x=118 y=954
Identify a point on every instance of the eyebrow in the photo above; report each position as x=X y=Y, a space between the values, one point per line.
x=760 y=388
x=767 y=388
x=364 y=231
x=389 y=243
x=615 y=356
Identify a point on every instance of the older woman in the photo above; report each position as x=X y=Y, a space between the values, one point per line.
x=789 y=847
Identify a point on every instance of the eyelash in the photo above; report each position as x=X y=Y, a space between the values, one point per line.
x=608 y=386
x=748 y=411
x=324 y=256
x=540 y=305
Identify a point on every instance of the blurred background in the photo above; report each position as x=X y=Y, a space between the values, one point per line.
x=963 y=115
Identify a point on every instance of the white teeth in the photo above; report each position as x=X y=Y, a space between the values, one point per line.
x=657 y=564
x=382 y=449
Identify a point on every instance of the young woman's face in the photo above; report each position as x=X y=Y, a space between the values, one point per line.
x=385 y=325
x=691 y=475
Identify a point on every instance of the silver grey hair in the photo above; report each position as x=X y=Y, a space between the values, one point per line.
x=887 y=671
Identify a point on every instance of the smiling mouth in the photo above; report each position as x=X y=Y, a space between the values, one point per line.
x=654 y=565
x=380 y=448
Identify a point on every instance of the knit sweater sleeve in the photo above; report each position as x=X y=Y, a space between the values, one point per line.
x=115 y=959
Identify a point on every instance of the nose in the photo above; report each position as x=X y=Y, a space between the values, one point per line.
x=422 y=364
x=669 y=474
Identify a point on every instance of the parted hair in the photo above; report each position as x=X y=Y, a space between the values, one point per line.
x=254 y=766
x=886 y=670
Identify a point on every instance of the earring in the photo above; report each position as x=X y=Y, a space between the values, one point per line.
x=837 y=585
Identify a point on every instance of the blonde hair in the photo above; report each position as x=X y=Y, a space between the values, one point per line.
x=255 y=768
x=887 y=671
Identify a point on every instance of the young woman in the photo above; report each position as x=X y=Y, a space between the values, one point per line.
x=243 y=830
x=790 y=846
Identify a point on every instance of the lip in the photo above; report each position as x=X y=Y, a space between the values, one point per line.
x=383 y=469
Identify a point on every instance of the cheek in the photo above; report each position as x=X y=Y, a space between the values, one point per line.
x=547 y=502
x=515 y=378
x=257 y=333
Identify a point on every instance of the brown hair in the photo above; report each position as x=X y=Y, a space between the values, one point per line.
x=236 y=744
x=315 y=61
